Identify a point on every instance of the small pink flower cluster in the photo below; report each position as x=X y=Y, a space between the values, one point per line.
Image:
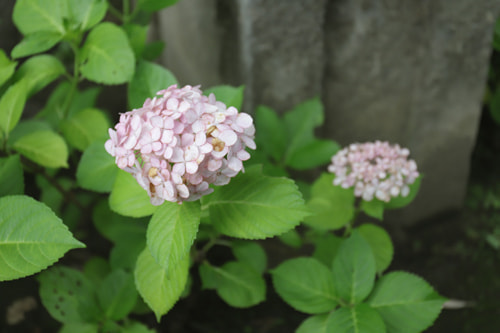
x=179 y=142
x=375 y=170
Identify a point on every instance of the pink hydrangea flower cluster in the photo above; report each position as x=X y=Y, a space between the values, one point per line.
x=374 y=169
x=180 y=142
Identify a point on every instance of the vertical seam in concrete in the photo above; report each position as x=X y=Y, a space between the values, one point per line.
x=246 y=41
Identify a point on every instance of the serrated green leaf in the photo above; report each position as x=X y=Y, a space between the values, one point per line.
x=85 y=127
x=149 y=78
x=159 y=290
x=128 y=198
x=79 y=328
x=239 y=285
x=231 y=96
x=271 y=134
x=43 y=147
x=331 y=206
x=155 y=5
x=354 y=269
x=373 y=208
x=250 y=253
x=97 y=169
x=36 y=42
x=405 y=302
x=137 y=36
x=208 y=276
x=306 y=285
x=357 y=319
x=255 y=206
x=106 y=55
x=7 y=67
x=11 y=176
x=31 y=16
x=326 y=248
x=11 y=107
x=136 y=327
x=117 y=295
x=32 y=237
x=39 y=71
x=68 y=295
x=380 y=243
x=314 y=324
x=172 y=231
x=313 y=154
x=400 y=201
x=24 y=127
x=87 y=13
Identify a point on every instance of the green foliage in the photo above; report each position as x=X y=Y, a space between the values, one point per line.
x=25 y=250
x=231 y=96
x=251 y=253
x=87 y=13
x=373 y=208
x=43 y=147
x=314 y=324
x=117 y=295
x=11 y=176
x=85 y=127
x=155 y=5
x=306 y=285
x=326 y=248
x=97 y=169
x=7 y=67
x=255 y=206
x=359 y=318
x=11 y=107
x=31 y=16
x=39 y=71
x=380 y=244
x=272 y=135
x=36 y=42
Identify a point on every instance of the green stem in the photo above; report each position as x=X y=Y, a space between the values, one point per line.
x=126 y=11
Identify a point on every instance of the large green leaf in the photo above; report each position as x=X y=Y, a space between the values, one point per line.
x=7 y=67
x=306 y=285
x=326 y=248
x=137 y=36
x=313 y=154
x=97 y=169
x=117 y=295
x=106 y=55
x=231 y=96
x=239 y=285
x=149 y=78
x=87 y=13
x=357 y=319
x=36 y=42
x=354 y=269
x=68 y=295
x=331 y=206
x=11 y=176
x=172 y=231
x=85 y=127
x=314 y=324
x=255 y=206
x=380 y=243
x=43 y=147
x=32 y=237
x=160 y=290
x=373 y=208
x=11 y=107
x=39 y=71
x=155 y=5
x=271 y=134
x=251 y=253
x=76 y=327
x=129 y=198
x=31 y=16
x=406 y=302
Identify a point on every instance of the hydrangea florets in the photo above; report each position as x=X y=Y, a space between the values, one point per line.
x=374 y=169
x=180 y=142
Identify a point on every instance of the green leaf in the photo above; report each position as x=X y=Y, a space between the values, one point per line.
x=231 y=96
x=314 y=324
x=271 y=134
x=97 y=169
x=124 y=254
x=406 y=302
x=96 y=269
x=160 y=290
x=87 y=13
x=43 y=147
x=250 y=253
x=357 y=319
x=11 y=106
x=153 y=50
x=239 y=285
x=25 y=127
x=172 y=231
x=380 y=243
x=373 y=208
x=400 y=201
x=208 y=276
x=11 y=176
x=255 y=206
x=155 y=5
x=148 y=79
x=31 y=16
x=306 y=285
x=291 y=238
x=76 y=327
x=129 y=198
x=106 y=55
x=300 y=123
x=36 y=42
x=332 y=206
x=313 y=154
x=68 y=295
x=326 y=248
x=354 y=269
x=137 y=36
x=85 y=127
x=136 y=327
x=32 y=237
x=39 y=71
x=117 y=295
x=7 y=67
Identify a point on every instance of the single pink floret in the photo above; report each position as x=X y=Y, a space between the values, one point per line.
x=180 y=142
x=375 y=170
